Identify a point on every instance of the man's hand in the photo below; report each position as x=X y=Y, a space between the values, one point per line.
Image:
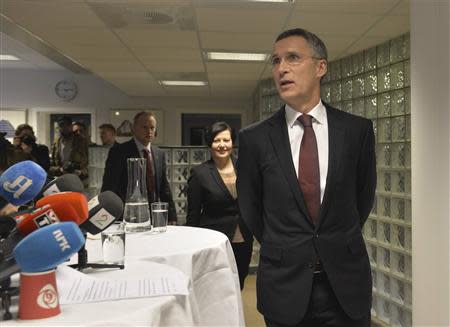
x=8 y=209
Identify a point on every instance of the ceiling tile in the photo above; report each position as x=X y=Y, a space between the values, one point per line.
x=54 y=13
x=244 y=42
x=153 y=39
x=373 y=7
x=341 y=25
x=240 y=20
x=160 y=54
x=226 y=67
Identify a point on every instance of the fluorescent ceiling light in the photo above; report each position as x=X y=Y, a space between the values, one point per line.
x=237 y=56
x=183 y=83
x=8 y=57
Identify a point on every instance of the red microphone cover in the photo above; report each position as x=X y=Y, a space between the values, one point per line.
x=69 y=206
x=29 y=222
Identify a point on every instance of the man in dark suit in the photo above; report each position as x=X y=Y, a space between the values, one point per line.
x=306 y=184
x=116 y=174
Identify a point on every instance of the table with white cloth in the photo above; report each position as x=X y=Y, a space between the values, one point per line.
x=205 y=256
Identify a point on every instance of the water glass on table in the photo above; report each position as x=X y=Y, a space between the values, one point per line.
x=113 y=244
x=160 y=216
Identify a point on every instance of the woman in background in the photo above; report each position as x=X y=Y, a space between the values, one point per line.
x=212 y=196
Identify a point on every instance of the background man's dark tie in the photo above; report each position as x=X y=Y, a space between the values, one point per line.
x=309 y=173
x=149 y=174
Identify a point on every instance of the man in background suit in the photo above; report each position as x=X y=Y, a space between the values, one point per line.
x=306 y=184
x=115 y=177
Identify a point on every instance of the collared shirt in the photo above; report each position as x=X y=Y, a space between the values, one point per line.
x=320 y=127
x=141 y=147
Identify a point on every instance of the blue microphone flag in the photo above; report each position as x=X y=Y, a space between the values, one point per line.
x=48 y=247
x=20 y=183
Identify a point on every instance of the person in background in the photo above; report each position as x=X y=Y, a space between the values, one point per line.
x=115 y=178
x=108 y=135
x=26 y=140
x=306 y=185
x=212 y=196
x=10 y=154
x=80 y=129
x=69 y=152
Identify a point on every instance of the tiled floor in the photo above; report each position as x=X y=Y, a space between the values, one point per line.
x=252 y=317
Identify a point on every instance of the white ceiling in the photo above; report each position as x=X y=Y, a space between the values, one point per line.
x=134 y=43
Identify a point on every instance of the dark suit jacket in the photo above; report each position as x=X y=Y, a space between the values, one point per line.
x=273 y=208
x=115 y=178
x=210 y=204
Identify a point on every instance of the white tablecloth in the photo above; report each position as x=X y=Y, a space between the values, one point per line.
x=203 y=255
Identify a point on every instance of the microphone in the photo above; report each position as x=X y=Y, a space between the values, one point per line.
x=20 y=183
x=104 y=209
x=64 y=183
x=43 y=249
x=69 y=205
x=48 y=247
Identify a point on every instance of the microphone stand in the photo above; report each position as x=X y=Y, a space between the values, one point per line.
x=83 y=261
x=6 y=291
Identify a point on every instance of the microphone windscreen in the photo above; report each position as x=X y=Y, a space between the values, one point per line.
x=38 y=218
x=48 y=247
x=67 y=205
x=64 y=183
x=104 y=209
x=20 y=183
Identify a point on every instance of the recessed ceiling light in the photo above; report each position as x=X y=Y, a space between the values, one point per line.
x=183 y=83
x=236 y=56
x=8 y=57
x=117 y=113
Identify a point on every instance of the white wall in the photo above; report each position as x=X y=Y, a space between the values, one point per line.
x=34 y=90
x=430 y=156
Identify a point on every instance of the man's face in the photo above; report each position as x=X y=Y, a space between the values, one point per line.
x=296 y=71
x=144 y=129
x=107 y=136
x=77 y=129
x=65 y=129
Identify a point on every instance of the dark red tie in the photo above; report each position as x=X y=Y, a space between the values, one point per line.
x=150 y=174
x=308 y=169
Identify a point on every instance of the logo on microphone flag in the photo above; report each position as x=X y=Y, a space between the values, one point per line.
x=18 y=186
x=38 y=295
x=47 y=297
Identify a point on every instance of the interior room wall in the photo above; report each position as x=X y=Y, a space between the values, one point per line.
x=34 y=90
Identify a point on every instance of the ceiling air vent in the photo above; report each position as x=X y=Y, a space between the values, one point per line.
x=157 y=18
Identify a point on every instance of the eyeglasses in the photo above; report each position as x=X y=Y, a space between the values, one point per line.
x=292 y=59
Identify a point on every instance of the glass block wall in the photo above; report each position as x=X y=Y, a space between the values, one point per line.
x=179 y=162
x=375 y=84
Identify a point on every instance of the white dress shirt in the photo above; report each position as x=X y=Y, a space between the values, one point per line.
x=320 y=127
x=141 y=147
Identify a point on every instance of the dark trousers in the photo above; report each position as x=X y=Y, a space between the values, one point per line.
x=324 y=309
x=242 y=255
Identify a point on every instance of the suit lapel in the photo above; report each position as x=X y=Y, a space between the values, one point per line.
x=218 y=179
x=335 y=141
x=280 y=141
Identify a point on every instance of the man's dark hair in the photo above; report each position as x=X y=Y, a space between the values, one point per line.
x=316 y=44
x=22 y=127
x=64 y=120
x=108 y=126
x=216 y=128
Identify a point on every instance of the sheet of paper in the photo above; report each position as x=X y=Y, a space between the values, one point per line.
x=77 y=287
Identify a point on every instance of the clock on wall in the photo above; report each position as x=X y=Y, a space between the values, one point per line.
x=66 y=90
